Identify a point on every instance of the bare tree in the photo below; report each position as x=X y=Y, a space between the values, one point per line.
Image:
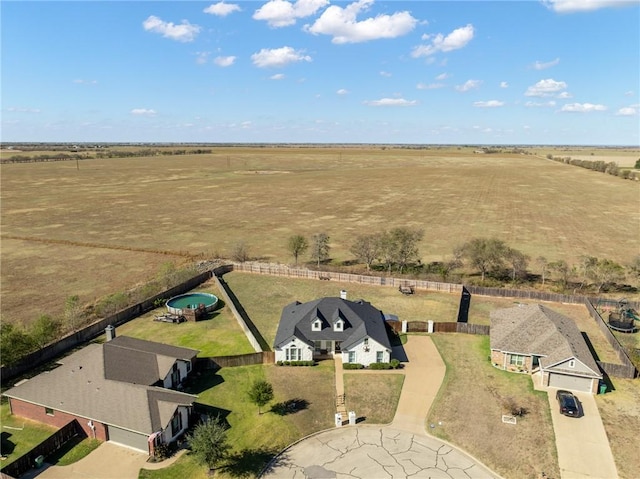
x=485 y=254
x=518 y=261
x=366 y=248
x=544 y=267
x=240 y=252
x=320 y=248
x=605 y=271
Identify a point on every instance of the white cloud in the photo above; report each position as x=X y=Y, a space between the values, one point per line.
x=18 y=109
x=385 y=74
x=277 y=76
x=343 y=26
x=429 y=86
x=488 y=104
x=390 y=102
x=530 y=104
x=86 y=82
x=544 y=65
x=564 y=95
x=202 y=57
x=548 y=87
x=282 y=13
x=143 y=112
x=222 y=9
x=184 y=32
x=342 y=91
x=582 y=107
x=278 y=57
x=439 y=43
x=468 y=85
x=571 y=6
x=442 y=76
x=224 y=61
x=504 y=84
x=632 y=110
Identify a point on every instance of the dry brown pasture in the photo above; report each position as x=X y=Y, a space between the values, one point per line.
x=164 y=207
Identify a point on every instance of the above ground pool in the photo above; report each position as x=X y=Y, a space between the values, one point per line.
x=191 y=301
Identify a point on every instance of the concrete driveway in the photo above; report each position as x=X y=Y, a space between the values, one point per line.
x=400 y=450
x=108 y=461
x=582 y=443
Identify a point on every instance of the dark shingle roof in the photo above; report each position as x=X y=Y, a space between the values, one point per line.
x=537 y=330
x=138 y=361
x=79 y=387
x=360 y=319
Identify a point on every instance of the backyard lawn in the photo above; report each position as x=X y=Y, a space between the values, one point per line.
x=19 y=435
x=219 y=335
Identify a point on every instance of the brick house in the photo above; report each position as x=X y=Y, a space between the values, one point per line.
x=122 y=391
x=534 y=339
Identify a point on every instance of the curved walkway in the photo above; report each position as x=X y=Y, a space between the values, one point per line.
x=399 y=450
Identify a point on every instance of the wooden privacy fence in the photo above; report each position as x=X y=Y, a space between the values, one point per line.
x=444 y=327
x=624 y=370
x=45 y=448
x=287 y=271
x=217 y=362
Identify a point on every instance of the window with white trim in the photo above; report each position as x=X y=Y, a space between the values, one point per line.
x=338 y=325
x=48 y=411
x=316 y=325
x=293 y=354
x=352 y=356
x=379 y=356
x=572 y=363
x=516 y=360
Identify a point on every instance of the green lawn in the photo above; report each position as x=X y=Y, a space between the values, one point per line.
x=219 y=335
x=19 y=435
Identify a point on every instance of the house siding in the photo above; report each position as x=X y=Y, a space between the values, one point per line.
x=36 y=412
x=166 y=433
x=365 y=357
x=182 y=368
x=306 y=351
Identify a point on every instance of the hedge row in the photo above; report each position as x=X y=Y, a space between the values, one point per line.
x=296 y=363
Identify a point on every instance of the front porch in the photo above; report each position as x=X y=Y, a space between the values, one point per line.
x=326 y=349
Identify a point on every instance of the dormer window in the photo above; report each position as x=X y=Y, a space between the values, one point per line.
x=316 y=325
x=338 y=325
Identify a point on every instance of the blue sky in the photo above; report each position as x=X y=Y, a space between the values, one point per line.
x=313 y=71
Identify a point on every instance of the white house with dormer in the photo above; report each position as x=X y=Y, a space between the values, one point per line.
x=328 y=326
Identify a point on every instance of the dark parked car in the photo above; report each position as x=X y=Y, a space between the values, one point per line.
x=568 y=403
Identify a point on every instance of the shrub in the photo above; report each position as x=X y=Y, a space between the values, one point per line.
x=296 y=363
x=352 y=366
x=395 y=363
x=279 y=363
x=379 y=366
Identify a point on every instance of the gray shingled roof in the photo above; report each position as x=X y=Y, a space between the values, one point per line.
x=361 y=319
x=79 y=387
x=540 y=331
x=152 y=361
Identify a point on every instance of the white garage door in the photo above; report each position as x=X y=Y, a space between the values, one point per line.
x=572 y=383
x=128 y=438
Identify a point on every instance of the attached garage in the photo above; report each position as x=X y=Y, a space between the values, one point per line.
x=128 y=438
x=572 y=383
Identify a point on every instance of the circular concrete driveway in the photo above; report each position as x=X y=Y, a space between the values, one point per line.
x=373 y=452
x=400 y=450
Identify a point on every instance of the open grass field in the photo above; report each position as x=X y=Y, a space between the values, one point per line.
x=109 y=224
x=470 y=405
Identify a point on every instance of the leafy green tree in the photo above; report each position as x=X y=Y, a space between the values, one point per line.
x=15 y=343
x=297 y=245
x=485 y=254
x=637 y=165
x=320 y=247
x=366 y=248
x=387 y=250
x=260 y=394
x=405 y=245
x=44 y=330
x=208 y=443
